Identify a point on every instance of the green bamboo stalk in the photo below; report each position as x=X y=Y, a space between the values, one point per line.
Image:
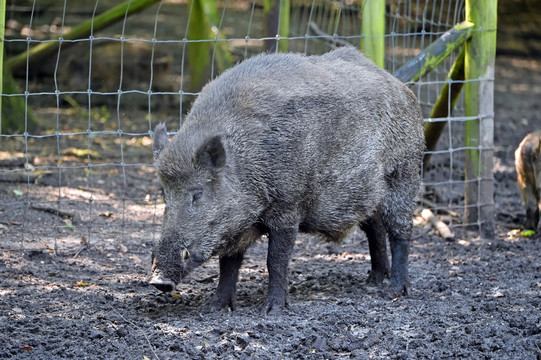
x=373 y=31
x=14 y=108
x=276 y=23
x=204 y=23
x=83 y=30
x=444 y=105
x=198 y=52
x=283 y=45
x=435 y=53
x=479 y=96
x=2 y=34
x=222 y=55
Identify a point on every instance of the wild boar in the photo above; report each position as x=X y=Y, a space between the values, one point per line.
x=528 y=165
x=283 y=143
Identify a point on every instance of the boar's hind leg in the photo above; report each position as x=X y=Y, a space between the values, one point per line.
x=531 y=203
x=399 y=239
x=377 y=242
x=397 y=214
x=226 y=294
x=281 y=243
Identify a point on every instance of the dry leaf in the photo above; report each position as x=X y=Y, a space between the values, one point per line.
x=27 y=348
x=513 y=234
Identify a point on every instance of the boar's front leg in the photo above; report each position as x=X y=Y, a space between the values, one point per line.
x=226 y=294
x=281 y=243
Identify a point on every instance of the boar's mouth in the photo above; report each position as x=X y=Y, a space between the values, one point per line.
x=162 y=283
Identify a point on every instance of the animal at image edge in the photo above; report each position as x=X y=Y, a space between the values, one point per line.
x=528 y=165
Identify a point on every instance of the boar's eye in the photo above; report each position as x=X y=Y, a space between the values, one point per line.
x=196 y=196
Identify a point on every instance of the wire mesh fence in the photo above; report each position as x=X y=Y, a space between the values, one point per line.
x=77 y=120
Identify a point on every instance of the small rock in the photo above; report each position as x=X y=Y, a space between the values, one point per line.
x=320 y=343
x=95 y=334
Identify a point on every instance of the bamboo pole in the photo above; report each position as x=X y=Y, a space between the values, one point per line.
x=276 y=24
x=272 y=13
x=444 y=105
x=83 y=30
x=479 y=133
x=435 y=53
x=283 y=45
x=198 y=51
x=373 y=31
x=204 y=25
x=2 y=34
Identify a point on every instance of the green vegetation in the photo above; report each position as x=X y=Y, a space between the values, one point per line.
x=373 y=31
x=204 y=25
x=444 y=105
x=14 y=109
x=435 y=53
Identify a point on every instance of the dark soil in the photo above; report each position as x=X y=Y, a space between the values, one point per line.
x=473 y=298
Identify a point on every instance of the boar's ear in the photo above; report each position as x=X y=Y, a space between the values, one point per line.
x=160 y=140
x=212 y=154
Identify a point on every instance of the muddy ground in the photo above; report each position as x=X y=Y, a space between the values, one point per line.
x=472 y=298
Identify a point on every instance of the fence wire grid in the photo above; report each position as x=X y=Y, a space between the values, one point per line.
x=77 y=165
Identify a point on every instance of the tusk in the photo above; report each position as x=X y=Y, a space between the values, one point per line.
x=185 y=254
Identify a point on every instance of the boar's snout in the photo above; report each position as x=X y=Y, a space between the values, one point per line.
x=162 y=283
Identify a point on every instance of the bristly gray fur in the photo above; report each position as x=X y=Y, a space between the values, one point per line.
x=315 y=143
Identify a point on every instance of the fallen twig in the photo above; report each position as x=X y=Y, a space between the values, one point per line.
x=19 y=177
x=80 y=249
x=54 y=210
x=433 y=205
x=16 y=161
x=440 y=226
x=141 y=330
x=208 y=279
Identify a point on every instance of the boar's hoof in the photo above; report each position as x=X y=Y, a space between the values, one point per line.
x=162 y=284
x=275 y=306
x=219 y=303
x=400 y=289
x=376 y=278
